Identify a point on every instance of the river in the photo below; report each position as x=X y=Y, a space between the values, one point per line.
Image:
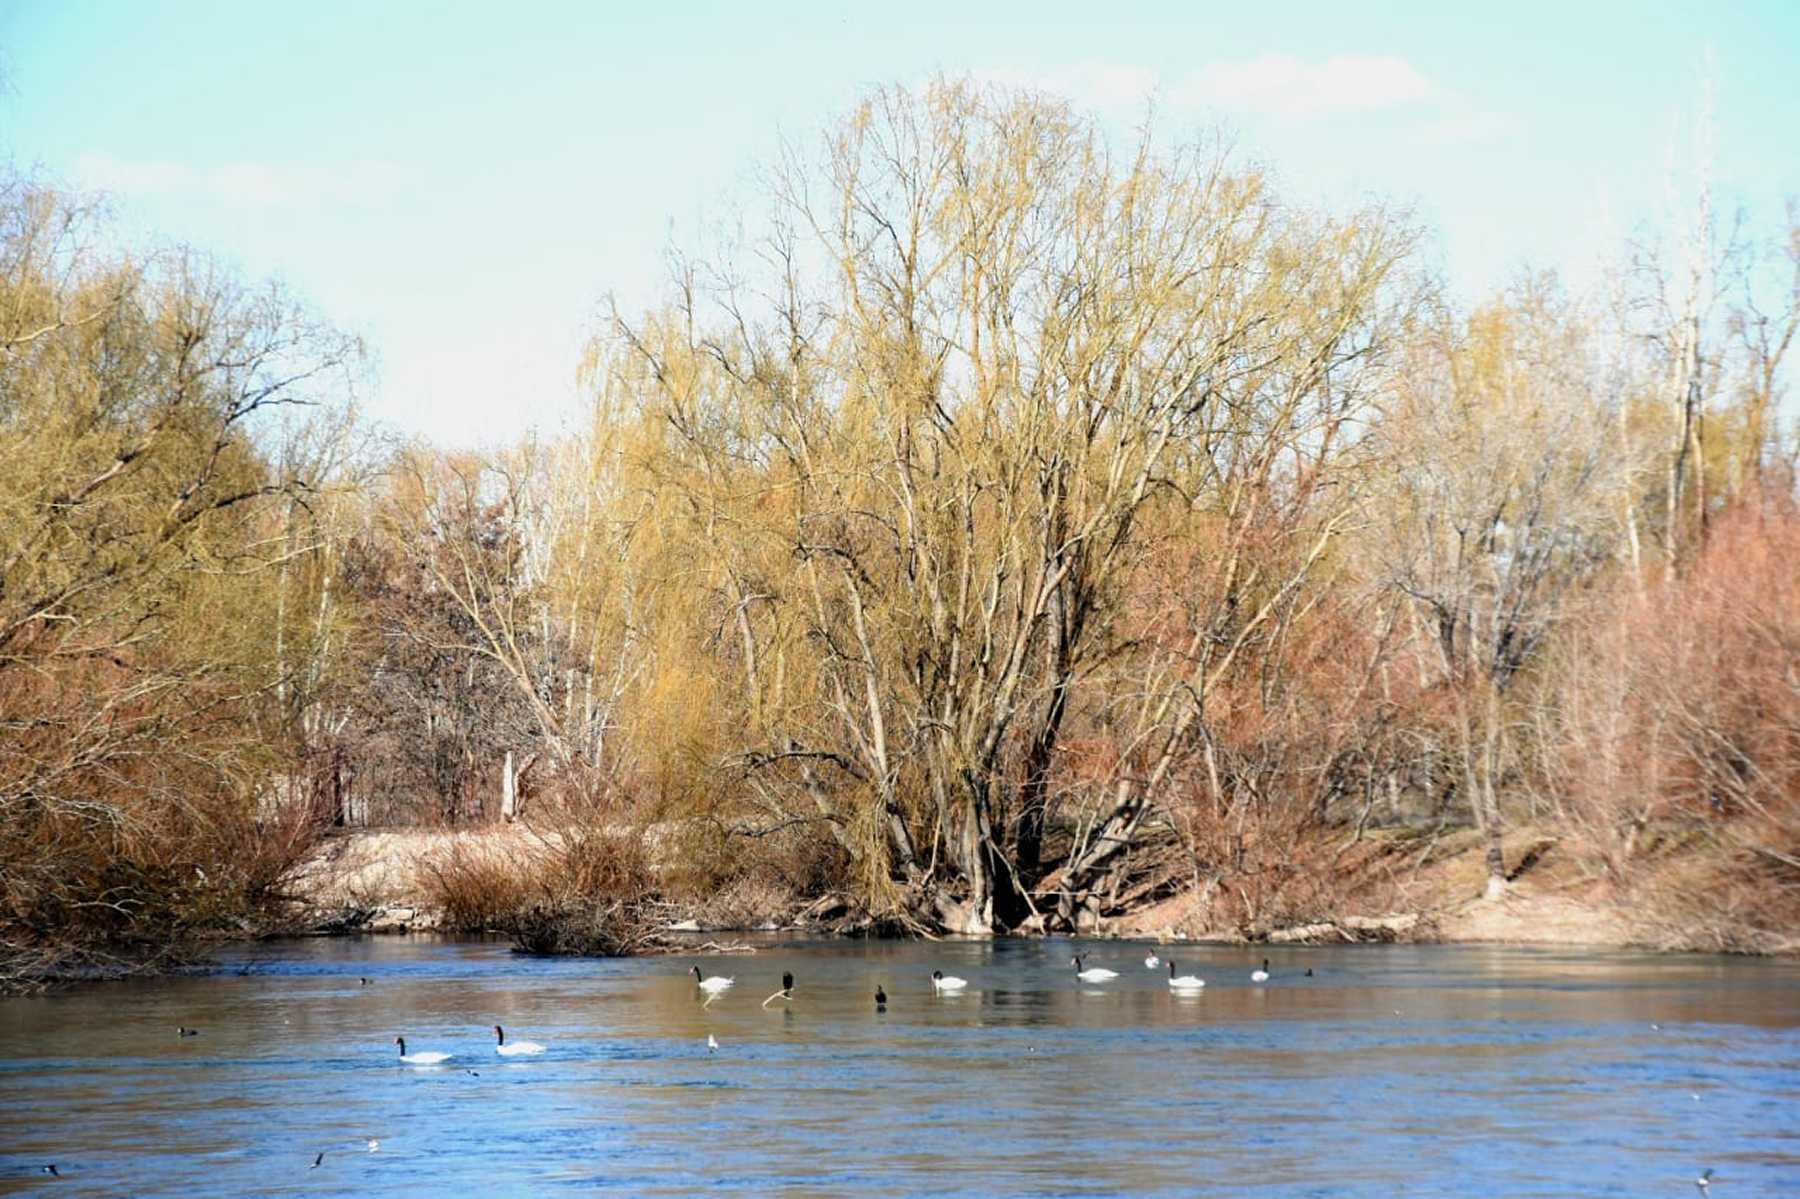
x=1391 y=1070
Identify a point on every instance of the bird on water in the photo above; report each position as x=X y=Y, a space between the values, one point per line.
x=1185 y=982
x=786 y=994
x=429 y=1057
x=517 y=1048
x=880 y=998
x=1093 y=974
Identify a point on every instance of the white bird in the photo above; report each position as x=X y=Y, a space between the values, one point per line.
x=517 y=1048
x=1151 y=961
x=942 y=982
x=1185 y=982
x=430 y=1057
x=374 y=1145
x=713 y=985
x=1097 y=974
x=1261 y=976
x=712 y=1043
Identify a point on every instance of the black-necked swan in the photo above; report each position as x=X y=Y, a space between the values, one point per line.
x=430 y=1057
x=1096 y=974
x=786 y=993
x=880 y=998
x=1261 y=976
x=947 y=982
x=183 y=1031
x=1151 y=961
x=317 y=1161
x=713 y=985
x=712 y=1043
x=517 y=1048
x=1185 y=982
x=1705 y=1180
x=51 y=1170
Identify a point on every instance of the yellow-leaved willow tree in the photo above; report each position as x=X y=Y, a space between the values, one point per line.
x=914 y=453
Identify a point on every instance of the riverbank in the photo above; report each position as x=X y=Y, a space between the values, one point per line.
x=1399 y=887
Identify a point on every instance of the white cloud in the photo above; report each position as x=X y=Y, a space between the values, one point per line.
x=242 y=184
x=1087 y=84
x=1283 y=85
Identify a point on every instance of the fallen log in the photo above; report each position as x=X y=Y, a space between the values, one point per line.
x=1347 y=928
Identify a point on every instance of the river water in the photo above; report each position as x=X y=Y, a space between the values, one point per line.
x=1391 y=1071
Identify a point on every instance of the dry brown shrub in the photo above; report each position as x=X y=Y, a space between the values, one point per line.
x=1681 y=720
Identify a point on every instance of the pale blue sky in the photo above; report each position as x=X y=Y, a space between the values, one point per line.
x=462 y=183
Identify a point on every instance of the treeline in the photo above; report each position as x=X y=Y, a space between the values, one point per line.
x=1018 y=529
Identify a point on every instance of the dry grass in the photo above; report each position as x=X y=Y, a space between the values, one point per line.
x=583 y=891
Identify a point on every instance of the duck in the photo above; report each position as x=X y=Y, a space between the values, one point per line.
x=1151 y=961
x=1185 y=982
x=786 y=994
x=1261 y=976
x=1096 y=974
x=713 y=985
x=430 y=1057
x=942 y=982
x=517 y=1048
x=880 y=998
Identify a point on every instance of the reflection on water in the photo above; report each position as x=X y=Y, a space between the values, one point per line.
x=1394 y=1070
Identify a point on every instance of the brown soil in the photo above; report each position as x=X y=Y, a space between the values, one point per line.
x=1423 y=888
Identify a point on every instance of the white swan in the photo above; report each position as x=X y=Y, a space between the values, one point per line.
x=1261 y=976
x=1185 y=982
x=430 y=1057
x=1151 y=961
x=1096 y=974
x=942 y=982
x=517 y=1048
x=713 y=985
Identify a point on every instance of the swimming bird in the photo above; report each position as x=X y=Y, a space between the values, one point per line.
x=362 y=982
x=517 y=1048
x=374 y=1145
x=1096 y=974
x=183 y=1031
x=1185 y=982
x=1309 y=973
x=51 y=1170
x=880 y=998
x=786 y=993
x=1704 y=1181
x=713 y=985
x=712 y=1043
x=941 y=982
x=1151 y=961
x=1261 y=976
x=317 y=1160
x=430 y=1057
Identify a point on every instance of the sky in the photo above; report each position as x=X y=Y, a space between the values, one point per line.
x=465 y=184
